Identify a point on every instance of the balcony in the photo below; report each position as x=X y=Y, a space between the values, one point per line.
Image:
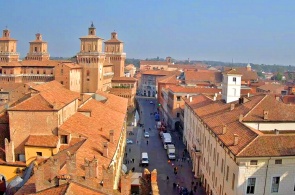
x=91 y=53
x=9 y=53
x=37 y=54
x=108 y=74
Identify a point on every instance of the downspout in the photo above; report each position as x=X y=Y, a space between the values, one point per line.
x=224 y=171
x=266 y=176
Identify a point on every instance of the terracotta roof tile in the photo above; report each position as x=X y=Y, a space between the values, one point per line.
x=246 y=75
x=196 y=76
x=150 y=62
x=270 y=145
x=277 y=111
x=158 y=72
x=42 y=141
x=52 y=96
x=195 y=90
x=271 y=88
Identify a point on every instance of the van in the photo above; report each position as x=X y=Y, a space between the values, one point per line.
x=144 y=159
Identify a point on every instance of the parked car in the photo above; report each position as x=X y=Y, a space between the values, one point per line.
x=146 y=134
x=151 y=102
x=129 y=141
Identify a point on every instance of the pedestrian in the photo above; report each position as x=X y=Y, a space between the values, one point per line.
x=144 y=130
x=129 y=150
x=179 y=137
x=132 y=160
x=133 y=169
x=126 y=154
x=147 y=142
x=174 y=185
x=127 y=161
x=137 y=141
x=188 y=160
x=195 y=188
x=167 y=178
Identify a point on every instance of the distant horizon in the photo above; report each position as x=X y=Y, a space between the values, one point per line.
x=260 y=32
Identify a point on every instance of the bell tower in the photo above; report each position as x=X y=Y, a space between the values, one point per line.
x=114 y=50
x=231 y=86
x=8 y=48
x=91 y=58
x=38 y=49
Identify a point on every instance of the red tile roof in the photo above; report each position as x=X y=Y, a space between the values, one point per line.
x=197 y=76
x=246 y=75
x=195 y=90
x=52 y=96
x=270 y=145
x=277 y=111
x=271 y=88
x=157 y=72
x=42 y=141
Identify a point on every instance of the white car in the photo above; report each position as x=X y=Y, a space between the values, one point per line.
x=146 y=134
x=151 y=102
x=129 y=141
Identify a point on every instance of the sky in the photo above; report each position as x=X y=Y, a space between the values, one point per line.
x=261 y=32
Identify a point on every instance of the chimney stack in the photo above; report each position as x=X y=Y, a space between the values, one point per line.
x=91 y=168
x=277 y=132
x=223 y=129
x=71 y=164
x=154 y=176
x=214 y=98
x=54 y=167
x=112 y=136
x=265 y=114
x=232 y=106
x=9 y=151
x=248 y=94
x=236 y=139
x=187 y=96
x=105 y=149
x=190 y=99
x=241 y=117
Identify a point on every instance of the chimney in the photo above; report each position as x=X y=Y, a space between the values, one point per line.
x=126 y=183
x=9 y=151
x=265 y=114
x=187 y=96
x=223 y=129
x=54 y=167
x=39 y=178
x=278 y=98
x=105 y=149
x=112 y=136
x=190 y=99
x=241 y=118
x=232 y=106
x=236 y=139
x=248 y=95
x=214 y=98
x=277 y=132
x=91 y=168
x=71 y=165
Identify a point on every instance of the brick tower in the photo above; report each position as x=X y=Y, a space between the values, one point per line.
x=91 y=58
x=114 y=50
x=8 y=48
x=38 y=49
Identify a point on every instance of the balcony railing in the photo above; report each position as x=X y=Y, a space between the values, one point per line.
x=9 y=53
x=37 y=53
x=108 y=74
x=91 y=53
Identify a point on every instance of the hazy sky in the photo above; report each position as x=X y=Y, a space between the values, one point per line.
x=246 y=31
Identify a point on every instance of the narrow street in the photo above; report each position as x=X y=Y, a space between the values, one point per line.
x=157 y=154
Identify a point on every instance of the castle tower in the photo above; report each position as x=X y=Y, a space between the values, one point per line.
x=8 y=48
x=38 y=49
x=91 y=58
x=114 y=50
x=231 y=86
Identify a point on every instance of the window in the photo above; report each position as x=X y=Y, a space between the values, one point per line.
x=227 y=172
x=63 y=139
x=253 y=162
x=62 y=82
x=178 y=98
x=44 y=71
x=222 y=166
x=234 y=79
x=177 y=114
x=251 y=185
x=278 y=161
x=61 y=71
x=36 y=49
x=233 y=182
x=217 y=159
x=39 y=153
x=275 y=184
